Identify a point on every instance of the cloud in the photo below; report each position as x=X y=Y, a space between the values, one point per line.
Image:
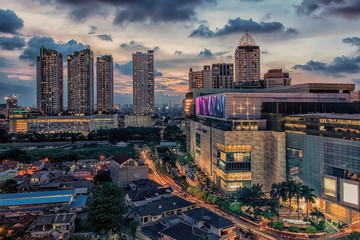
x=92 y=30
x=338 y=67
x=32 y=49
x=352 y=41
x=105 y=37
x=10 y=22
x=177 y=52
x=206 y=53
x=4 y=63
x=24 y=89
x=137 y=46
x=11 y=43
x=133 y=11
x=239 y=25
x=265 y=52
x=266 y=17
x=348 y=9
x=229 y=56
x=127 y=69
x=156 y=48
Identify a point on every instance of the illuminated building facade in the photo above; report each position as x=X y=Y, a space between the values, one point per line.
x=247 y=62
x=200 y=79
x=276 y=78
x=105 y=83
x=323 y=152
x=22 y=121
x=143 y=83
x=139 y=120
x=222 y=75
x=81 y=82
x=49 y=82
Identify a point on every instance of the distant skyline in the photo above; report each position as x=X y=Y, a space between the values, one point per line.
x=316 y=40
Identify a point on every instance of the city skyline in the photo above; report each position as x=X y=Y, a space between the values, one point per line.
x=291 y=36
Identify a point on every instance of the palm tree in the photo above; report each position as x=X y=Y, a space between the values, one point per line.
x=309 y=196
x=297 y=190
x=317 y=214
x=291 y=190
x=278 y=191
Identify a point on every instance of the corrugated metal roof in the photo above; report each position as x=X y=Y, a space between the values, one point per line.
x=79 y=201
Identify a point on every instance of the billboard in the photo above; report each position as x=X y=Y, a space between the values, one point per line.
x=211 y=106
x=350 y=193
x=330 y=186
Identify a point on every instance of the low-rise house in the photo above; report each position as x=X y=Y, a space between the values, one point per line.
x=8 y=174
x=84 y=173
x=158 y=209
x=40 y=178
x=211 y=222
x=185 y=231
x=88 y=163
x=124 y=170
x=37 y=166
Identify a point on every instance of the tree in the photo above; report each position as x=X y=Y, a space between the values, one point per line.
x=102 y=177
x=253 y=197
x=311 y=230
x=309 y=196
x=317 y=214
x=294 y=229
x=353 y=236
x=292 y=188
x=106 y=208
x=297 y=191
x=204 y=237
x=278 y=226
x=278 y=191
x=9 y=186
x=133 y=227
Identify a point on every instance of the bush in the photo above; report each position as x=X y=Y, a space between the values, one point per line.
x=311 y=230
x=278 y=226
x=294 y=229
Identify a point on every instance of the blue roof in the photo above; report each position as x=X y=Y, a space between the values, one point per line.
x=79 y=201
x=36 y=197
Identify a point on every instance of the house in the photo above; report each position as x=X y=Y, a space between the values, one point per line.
x=37 y=166
x=144 y=191
x=85 y=173
x=40 y=178
x=211 y=222
x=185 y=231
x=124 y=170
x=88 y=163
x=158 y=209
x=64 y=223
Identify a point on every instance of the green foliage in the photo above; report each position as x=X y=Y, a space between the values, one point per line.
x=106 y=208
x=204 y=237
x=294 y=229
x=4 y=233
x=311 y=230
x=172 y=133
x=14 y=154
x=319 y=225
x=133 y=226
x=102 y=177
x=9 y=186
x=278 y=226
x=352 y=236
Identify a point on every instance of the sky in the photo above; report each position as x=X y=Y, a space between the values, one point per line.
x=315 y=40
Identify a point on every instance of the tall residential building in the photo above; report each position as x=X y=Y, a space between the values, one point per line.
x=276 y=78
x=222 y=75
x=49 y=81
x=105 y=83
x=81 y=82
x=200 y=79
x=143 y=82
x=247 y=62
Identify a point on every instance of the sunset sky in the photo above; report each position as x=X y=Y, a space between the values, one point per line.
x=316 y=40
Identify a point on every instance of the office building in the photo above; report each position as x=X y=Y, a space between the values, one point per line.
x=200 y=79
x=143 y=83
x=139 y=120
x=49 y=82
x=81 y=82
x=247 y=63
x=276 y=78
x=105 y=83
x=323 y=152
x=222 y=75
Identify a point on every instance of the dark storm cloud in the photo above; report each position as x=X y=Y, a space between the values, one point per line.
x=23 y=89
x=32 y=49
x=92 y=30
x=266 y=17
x=134 y=11
x=206 y=53
x=105 y=37
x=348 y=9
x=352 y=41
x=10 y=22
x=11 y=43
x=239 y=25
x=127 y=69
x=337 y=68
x=4 y=62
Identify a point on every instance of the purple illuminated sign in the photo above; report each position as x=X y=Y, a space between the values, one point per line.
x=212 y=106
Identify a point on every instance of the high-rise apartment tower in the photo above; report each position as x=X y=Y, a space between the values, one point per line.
x=105 y=83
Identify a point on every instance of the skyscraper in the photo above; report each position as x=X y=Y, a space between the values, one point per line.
x=49 y=81
x=81 y=82
x=105 y=83
x=247 y=62
x=200 y=79
x=222 y=75
x=143 y=82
